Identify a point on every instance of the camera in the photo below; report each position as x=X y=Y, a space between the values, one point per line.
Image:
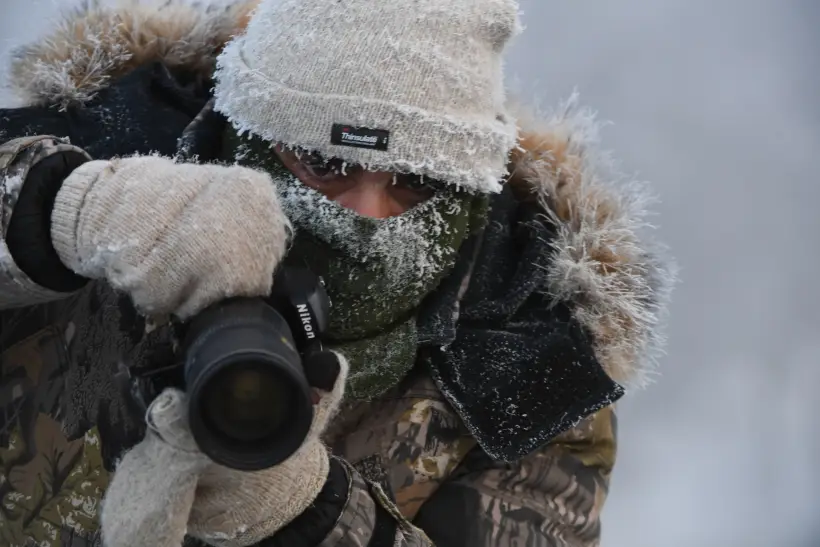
x=247 y=367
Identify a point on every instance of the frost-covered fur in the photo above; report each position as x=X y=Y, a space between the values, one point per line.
x=92 y=44
x=614 y=277
x=603 y=263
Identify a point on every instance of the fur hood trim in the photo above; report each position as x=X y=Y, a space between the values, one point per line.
x=93 y=44
x=614 y=277
x=618 y=279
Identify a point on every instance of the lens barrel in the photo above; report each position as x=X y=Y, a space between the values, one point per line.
x=249 y=401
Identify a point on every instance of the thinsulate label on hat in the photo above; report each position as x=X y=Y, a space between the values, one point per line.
x=359 y=137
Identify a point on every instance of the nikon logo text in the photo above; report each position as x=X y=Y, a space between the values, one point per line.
x=304 y=315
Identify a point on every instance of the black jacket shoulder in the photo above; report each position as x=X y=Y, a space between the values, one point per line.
x=145 y=111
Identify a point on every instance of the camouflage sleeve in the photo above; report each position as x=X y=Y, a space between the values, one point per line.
x=349 y=512
x=370 y=519
x=406 y=473
x=551 y=498
x=29 y=275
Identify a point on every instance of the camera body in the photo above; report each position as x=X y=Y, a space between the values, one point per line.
x=245 y=367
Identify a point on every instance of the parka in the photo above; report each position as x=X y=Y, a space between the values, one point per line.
x=504 y=434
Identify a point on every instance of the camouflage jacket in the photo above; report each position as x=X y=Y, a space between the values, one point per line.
x=503 y=435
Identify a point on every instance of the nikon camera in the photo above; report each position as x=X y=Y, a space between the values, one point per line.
x=247 y=367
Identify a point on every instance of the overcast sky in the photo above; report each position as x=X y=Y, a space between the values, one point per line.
x=716 y=102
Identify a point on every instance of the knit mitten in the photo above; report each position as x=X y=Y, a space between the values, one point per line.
x=176 y=237
x=165 y=487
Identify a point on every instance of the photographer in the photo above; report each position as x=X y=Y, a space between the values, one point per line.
x=489 y=293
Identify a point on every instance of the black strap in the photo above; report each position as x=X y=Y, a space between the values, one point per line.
x=384 y=532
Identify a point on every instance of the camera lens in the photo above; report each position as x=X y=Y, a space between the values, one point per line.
x=249 y=401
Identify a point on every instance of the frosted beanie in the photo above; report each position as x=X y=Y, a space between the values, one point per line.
x=412 y=86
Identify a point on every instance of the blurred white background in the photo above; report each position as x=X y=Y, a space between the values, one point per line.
x=717 y=103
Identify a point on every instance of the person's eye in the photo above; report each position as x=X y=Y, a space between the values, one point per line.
x=415 y=183
x=321 y=168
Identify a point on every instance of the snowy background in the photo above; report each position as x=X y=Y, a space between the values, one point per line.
x=717 y=103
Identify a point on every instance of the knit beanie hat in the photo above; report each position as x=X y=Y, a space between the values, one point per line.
x=408 y=86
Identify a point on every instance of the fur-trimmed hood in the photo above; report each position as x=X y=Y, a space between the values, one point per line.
x=604 y=264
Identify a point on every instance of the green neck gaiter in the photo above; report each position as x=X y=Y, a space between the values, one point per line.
x=377 y=271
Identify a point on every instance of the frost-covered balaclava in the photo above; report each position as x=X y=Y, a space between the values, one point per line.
x=377 y=271
x=410 y=87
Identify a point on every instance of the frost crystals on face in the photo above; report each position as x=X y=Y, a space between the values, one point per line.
x=404 y=248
